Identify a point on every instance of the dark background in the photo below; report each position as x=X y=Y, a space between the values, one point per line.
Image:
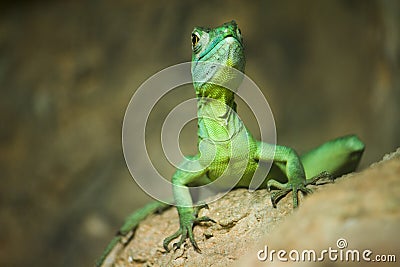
x=68 y=70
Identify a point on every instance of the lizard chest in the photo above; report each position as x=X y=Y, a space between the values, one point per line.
x=229 y=158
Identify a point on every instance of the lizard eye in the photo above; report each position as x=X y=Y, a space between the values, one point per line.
x=239 y=34
x=195 y=39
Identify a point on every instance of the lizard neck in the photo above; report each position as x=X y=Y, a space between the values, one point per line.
x=217 y=118
x=217 y=64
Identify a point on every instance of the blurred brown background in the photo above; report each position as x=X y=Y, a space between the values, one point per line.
x=68 y=70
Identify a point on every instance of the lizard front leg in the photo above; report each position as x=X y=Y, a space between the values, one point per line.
x=289 y=162
x=190 y=172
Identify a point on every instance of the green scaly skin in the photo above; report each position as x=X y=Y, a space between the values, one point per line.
x=225 y=143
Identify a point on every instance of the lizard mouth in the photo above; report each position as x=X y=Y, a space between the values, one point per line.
x=227 y=51
x=229 y=40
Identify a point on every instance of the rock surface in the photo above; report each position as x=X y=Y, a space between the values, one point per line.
x=360 y=209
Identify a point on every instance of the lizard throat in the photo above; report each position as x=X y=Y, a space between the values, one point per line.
x=217 y=122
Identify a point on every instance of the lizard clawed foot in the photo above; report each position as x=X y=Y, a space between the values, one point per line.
x=325 y=177
x=295 y=187
x=188 y=219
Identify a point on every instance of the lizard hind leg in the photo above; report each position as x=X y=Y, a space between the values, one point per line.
x=338 y=157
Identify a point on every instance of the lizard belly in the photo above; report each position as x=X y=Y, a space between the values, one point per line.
x=231 y=162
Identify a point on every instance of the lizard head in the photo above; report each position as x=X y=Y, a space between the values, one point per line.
x=217 y=60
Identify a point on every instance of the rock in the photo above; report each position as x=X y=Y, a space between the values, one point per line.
x=359 y=211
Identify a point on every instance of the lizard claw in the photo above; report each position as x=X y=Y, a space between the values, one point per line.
x=324 y=176
x=276 y=196
x=204 y=219
x=188 y=219
x=284 y=189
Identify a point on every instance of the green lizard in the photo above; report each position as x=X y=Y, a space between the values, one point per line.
x=226 y=144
